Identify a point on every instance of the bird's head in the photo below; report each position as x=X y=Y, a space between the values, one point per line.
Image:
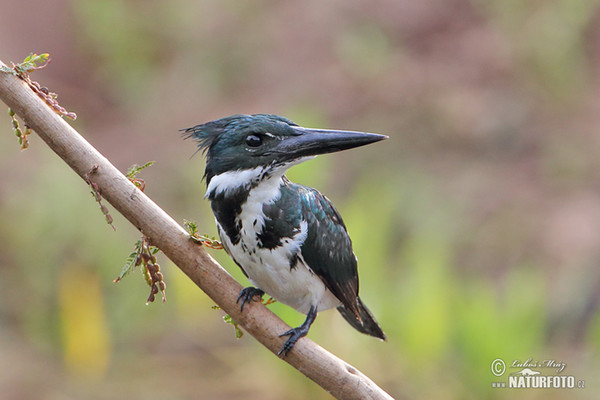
x=243 y=142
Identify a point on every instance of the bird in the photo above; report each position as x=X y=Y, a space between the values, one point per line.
x=288 y=239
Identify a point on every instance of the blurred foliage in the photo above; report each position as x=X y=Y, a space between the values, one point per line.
x=476 y=224
x=83 y=324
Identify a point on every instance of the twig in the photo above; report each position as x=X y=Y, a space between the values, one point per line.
x=333 y=374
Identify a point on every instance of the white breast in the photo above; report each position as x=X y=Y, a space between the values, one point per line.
x=269 y=269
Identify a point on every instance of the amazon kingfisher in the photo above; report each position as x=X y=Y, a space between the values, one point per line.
x=288 y=239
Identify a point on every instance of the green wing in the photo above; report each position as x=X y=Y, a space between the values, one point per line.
x=327 y=249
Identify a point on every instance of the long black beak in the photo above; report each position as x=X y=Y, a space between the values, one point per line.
x=312 y=142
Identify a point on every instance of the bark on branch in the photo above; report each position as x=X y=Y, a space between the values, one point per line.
x=333 y=374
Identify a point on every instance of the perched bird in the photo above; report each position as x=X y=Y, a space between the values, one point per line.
x=288 y=239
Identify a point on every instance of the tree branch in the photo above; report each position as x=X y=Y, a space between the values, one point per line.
x=333 y=374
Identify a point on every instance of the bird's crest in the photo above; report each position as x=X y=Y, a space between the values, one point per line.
x=208 y=134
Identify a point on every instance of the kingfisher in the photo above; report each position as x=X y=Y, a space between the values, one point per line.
x=288 y=239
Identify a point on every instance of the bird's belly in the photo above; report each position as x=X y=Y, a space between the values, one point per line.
x=297 y=287
x=269 y=270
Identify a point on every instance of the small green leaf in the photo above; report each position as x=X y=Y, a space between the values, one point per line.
x=31 y=63
x=136 y=169
x=190 y=226
x=238 y=332
x=130 y=263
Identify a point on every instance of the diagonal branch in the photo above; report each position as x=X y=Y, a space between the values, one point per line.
x=333 y=374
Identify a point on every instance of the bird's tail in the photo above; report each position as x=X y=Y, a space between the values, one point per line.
x=366 y=323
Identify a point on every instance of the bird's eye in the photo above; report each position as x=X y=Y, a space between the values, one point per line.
x=253 y=140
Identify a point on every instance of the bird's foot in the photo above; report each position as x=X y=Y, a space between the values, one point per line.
x=296 y=333
x=269 y=301
x=248 y=294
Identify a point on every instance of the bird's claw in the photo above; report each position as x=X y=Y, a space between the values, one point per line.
x=248 y=294
x=294 y=334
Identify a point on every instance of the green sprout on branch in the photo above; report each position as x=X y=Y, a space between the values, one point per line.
x=192 y=228
x=21 y=70
x=228 y=320
x=132 y=173
x=29 y=64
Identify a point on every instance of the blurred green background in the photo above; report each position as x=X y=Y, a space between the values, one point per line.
x=476 y=225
